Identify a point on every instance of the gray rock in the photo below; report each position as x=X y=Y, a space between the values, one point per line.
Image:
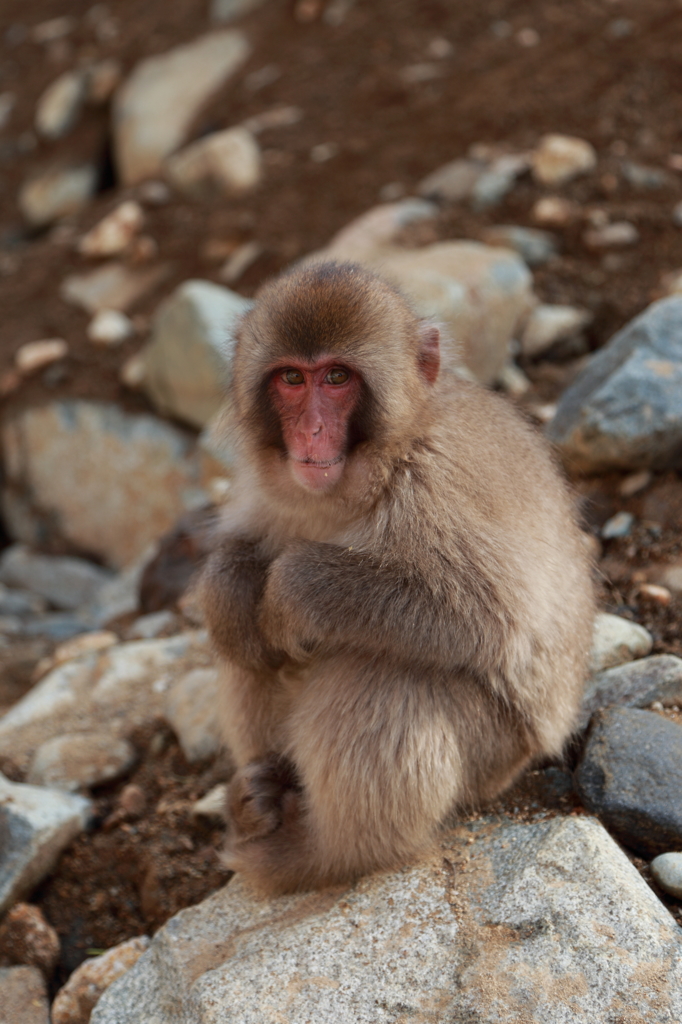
x=547 y=922
x=121 y=596
x=636 y=685
x=534 y=247
x=57 y=625
x=624 y=411
x=640 y=176
x=191 y=711
x=549 y=325
x=453 y=182
x=19 y=602
x=147 y=627
x=23 y=996
x=631 y=776
x=112 y=286
x=497 y=181
x=616 y=640
x=123 y=479
x=619 y=525
x=224 y=11
x=187 y=361
x=56 y=192
x=123 y=685
x=156 y=106
x=226 y=164
x=666 y=871
x=611 y=236
x=65 y=582
x=74 y=1002
x=60 y=104
x=80 y=760
x=36 y=824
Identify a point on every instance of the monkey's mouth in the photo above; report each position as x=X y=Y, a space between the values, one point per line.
x=318 y=475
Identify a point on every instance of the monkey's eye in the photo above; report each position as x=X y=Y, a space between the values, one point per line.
x=337 y=376
x=292 y=377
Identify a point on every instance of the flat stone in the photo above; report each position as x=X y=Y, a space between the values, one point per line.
x=63 y=581
x=535 y=247
x=60 y=104
x=631 y=776
x=156 y=106
x=550 y=325
x=499 y=924
x=111 y=286
x=624 y=410
x=643 y=177
x=611 y=236
x=123 y=480
x=23 y=996
x=666 y=871
x=226 y=163
x=75 y=1001
x=453 y=182
x=636 y=685
x=56 y=192
x=617 y=640
x=36 y=824
x=15 y=601
x=560 y=158
x=191 y=712
x=123 y=686
x=36 y=355
x=80 y=760
x=187 y=361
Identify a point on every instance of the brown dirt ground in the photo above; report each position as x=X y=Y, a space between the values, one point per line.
x=605 y=70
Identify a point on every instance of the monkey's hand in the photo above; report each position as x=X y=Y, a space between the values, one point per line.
x=284 y=619
x=230 y=589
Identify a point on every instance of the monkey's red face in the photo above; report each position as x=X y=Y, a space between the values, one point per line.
x=314 y=402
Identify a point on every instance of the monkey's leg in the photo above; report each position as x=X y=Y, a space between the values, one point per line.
x=379 y=762
x=252 y=710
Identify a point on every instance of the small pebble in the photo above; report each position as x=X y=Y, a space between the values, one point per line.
x=27 y=938
x=620 y=233
x=114 y=232
x=109 y=327
x=554 y=211
x=619 y=525
x=634 y=483
x=666 y=871
x=133 y=372
x=132 y=802
x=527 y=37
x=35 y=355
x=657 y=595
x=324 y=151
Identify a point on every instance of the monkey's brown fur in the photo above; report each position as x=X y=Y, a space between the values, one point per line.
x=403 y=644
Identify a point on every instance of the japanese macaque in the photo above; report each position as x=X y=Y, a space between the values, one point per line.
x=399 y=592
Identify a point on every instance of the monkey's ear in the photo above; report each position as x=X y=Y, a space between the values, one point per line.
x=429 y=352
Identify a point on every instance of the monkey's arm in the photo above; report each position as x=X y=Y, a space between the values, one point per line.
x=322 y=594
x=230 y=589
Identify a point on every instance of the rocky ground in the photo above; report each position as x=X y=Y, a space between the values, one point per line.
x=517 y=168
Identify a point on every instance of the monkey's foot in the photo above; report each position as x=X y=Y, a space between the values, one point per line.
x=257 y=796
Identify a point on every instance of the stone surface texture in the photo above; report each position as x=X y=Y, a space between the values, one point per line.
x=616 y=640
x=35 y=825
x=23 y=996
x=546 y=922
x=124 y=479
x=666 y=871
x=27 y=938
x=187 y=361
x=191 y=711
x=559 y=158
x=624 y=411
x=74 y=1002
x=631 y=776
x=156 y=105
x=123 y=686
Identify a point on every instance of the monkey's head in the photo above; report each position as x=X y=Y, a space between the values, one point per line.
x=329 y=363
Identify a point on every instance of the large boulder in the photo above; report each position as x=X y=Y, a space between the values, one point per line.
x=155 y=107
x=109 y=482
x=624 y=411
x=542 y=922
x=187 y=362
